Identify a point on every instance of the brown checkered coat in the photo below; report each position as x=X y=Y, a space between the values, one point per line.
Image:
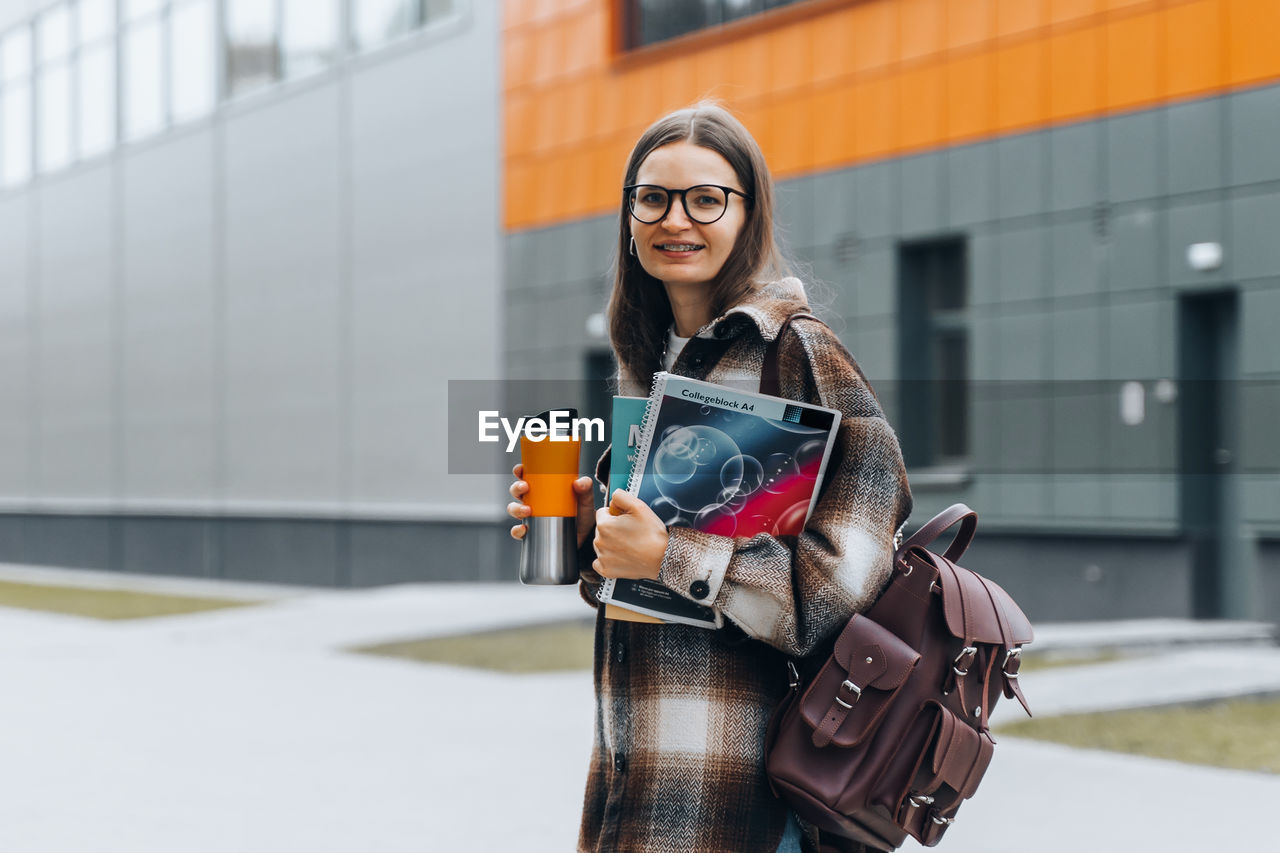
x=681 y=712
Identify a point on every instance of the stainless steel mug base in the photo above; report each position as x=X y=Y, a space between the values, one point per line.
x=549 y=551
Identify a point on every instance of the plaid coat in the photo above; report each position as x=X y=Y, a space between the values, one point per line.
x=681 y=712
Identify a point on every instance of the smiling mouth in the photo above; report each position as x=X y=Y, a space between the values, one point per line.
x=678 y=247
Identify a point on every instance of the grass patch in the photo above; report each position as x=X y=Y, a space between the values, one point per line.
x=1243 y=734
x=106 y=603
x=536 y=648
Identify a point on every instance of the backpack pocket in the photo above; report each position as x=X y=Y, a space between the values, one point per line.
x=848 y=698
x=955 y=760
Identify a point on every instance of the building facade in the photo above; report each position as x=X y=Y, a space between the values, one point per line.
x=236 y=241
x=246 y=245
x=994 y=202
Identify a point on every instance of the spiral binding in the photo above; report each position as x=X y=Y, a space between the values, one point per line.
x=647 y=425
x=642 y=455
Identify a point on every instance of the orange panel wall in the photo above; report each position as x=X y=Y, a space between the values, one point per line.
x=826 y=83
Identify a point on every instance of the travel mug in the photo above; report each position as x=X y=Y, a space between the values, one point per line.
x=549 y=550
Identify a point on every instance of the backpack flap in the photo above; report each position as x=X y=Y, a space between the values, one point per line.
x=851 y=692
x=979 y=610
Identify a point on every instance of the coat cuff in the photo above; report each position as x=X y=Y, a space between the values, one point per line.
x=694 y=564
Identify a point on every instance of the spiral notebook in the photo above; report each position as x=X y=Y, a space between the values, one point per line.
x=723 y=461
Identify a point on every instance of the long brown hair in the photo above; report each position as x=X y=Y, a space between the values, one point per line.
x=639 y=312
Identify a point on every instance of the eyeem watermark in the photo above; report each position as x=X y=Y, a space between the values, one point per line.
x=558 y=427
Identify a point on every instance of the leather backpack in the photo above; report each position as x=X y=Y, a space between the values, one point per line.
x=888 y=734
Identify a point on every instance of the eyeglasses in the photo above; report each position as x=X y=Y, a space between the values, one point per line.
x=703 y=204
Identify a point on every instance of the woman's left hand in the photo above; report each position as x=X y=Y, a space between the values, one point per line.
x=630 y=539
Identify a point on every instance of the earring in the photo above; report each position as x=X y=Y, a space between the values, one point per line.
x=633 y=245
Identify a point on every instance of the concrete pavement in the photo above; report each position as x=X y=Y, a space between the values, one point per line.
x=252 y=729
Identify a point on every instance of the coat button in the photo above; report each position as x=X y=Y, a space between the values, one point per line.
x=620 y=763
x=698 y=358
x=699 y=589
x=619 y=651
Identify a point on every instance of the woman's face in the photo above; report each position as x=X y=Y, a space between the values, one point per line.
x=677 y=250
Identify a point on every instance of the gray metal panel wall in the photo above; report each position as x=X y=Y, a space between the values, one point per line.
x=16 y=343
x=426 y=302
x=258 y=313
x=1077 y=241
x=283 y=297
x=315 y=552
x=169 y=332
x=73 y=310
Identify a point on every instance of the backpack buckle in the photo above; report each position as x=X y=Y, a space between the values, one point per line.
x=793 y=675
x=1011 y=656
x=852 y=688
x=969 y=652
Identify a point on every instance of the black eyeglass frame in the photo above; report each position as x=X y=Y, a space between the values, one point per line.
x=684 y=201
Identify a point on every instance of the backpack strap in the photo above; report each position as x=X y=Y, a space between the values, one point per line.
x=1012 y=646
x=935 y=526
x=769 y=370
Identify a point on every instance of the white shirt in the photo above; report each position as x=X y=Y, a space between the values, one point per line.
x=675 y=343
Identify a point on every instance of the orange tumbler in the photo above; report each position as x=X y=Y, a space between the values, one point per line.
x=549 y=552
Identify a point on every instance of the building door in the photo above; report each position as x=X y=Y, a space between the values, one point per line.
x=1208 y=367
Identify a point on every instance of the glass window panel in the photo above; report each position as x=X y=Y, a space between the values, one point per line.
x=253 y=51
x=310 y=35
x=96 y=89
x=54 y=136
x=434 y=10
x=143 y=103
x=192 y=53
x=97 y=19
x=134 y=9
x=378 y=21
x=658 y=20
x=53 y=34
x=252 y=20
x=664 y=19
x=15 y=133
x=740 y=8
x=15 y=54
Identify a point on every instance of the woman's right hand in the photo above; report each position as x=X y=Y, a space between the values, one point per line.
x=520 y=510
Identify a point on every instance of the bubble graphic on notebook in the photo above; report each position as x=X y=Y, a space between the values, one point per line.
x=729 y=463
x=690 y=468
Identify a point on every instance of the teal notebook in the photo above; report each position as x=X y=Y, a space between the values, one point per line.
x=628 y=413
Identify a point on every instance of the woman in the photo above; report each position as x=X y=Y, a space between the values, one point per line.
x=681 y=712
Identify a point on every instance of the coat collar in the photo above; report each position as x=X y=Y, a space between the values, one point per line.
x=767 y=308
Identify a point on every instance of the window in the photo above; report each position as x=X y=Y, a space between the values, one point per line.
x=97 y=20
x=95 y=82
x=81 y=75
x=143 y=91
x=933 y=352
x=192 y=36
x=310 y=35
x=253 y=47
x=650 y=21
x=142 y=52
x=53 y=88
x=375 y=22
x=15 y=106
